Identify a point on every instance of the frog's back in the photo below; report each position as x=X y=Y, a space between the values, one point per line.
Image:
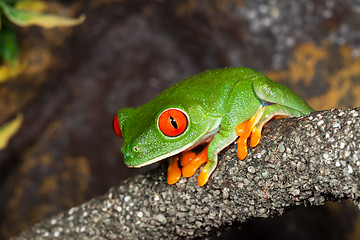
x=209 y=89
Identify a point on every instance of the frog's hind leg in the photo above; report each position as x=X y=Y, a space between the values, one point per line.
x=277 y=100
x=272 y=92
x=266 y=113
x=251 y=128
x=244 y=130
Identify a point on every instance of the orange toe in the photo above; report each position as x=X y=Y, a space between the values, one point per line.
x=255 y=137
x=241 y=149
x=186 y=157
x=243 y=131
x=203 y=177
x=174 y=172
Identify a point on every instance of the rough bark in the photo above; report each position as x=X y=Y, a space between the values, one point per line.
x=299 y=162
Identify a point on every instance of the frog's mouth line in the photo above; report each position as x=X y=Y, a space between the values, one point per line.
x=205 y=139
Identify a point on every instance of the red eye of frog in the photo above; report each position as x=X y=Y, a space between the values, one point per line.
x=116 y=126
x=172 y=122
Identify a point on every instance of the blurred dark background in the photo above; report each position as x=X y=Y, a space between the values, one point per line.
x=127 y=52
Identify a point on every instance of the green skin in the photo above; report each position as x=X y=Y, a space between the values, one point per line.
x=215 y=101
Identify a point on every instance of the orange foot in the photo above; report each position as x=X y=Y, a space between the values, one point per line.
x=191 y=162
x=245 y=130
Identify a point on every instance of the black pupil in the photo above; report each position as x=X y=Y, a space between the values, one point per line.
x=173 y=122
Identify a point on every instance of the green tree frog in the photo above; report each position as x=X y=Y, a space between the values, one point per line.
x=216 y=108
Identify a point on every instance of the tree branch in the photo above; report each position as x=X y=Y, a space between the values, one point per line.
x=299 y=161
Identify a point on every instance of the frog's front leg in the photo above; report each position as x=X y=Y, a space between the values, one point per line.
x=220 y=141
x=209 y=155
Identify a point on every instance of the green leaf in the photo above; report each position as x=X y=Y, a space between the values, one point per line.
x=8 y=130
x=26 y=18
x=8 y=46
x=11 y=2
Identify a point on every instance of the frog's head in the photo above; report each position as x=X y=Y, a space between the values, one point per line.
x=151 y=135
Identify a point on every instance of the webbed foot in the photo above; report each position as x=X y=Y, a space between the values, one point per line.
x=245 y=130
x=252 y=128
x=191 y=162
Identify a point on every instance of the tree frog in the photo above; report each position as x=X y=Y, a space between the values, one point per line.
x=216 y=108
